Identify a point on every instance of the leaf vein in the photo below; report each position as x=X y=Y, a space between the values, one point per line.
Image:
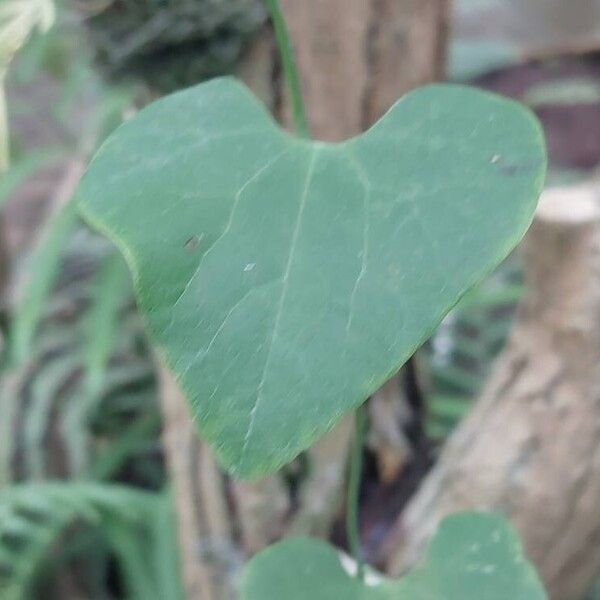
x=366 y=231
x=238 y=195
x=284 y=287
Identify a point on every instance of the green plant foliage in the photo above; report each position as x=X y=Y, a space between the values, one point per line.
x=33 y=518
x=53 y=396
x=474 y=556
x=42 y=273
x=285 y=280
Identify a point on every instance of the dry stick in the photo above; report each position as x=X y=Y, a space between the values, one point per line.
x=262 y=507
x=320 y=498
x=389 y=411
x=191 y=481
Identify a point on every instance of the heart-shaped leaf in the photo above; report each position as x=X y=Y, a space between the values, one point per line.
x=284 y=280
x=474 y=556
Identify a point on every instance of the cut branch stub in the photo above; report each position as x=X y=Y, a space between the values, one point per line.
x=285 y=280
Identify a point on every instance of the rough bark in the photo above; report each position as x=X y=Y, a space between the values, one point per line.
x=357 y=57
x=389 y=412
x=531 y=446
x=203 y=528
x=321 y=495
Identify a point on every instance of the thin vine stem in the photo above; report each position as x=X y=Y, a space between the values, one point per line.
x=289 y=67
x=356 y=463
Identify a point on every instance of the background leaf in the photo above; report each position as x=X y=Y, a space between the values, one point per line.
x=36 y=521
x=42 y=272
x=474 y=556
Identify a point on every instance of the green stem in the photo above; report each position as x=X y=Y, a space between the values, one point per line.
x=360 y=428
x=289 y=67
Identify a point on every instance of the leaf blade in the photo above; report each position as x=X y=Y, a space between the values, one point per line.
x=289 y=278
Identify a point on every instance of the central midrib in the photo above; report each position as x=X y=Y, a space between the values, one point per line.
x=284 y=288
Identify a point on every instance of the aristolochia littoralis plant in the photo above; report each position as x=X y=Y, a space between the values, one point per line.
x=285 y=279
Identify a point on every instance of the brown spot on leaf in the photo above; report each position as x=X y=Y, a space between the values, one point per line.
x=192 y=243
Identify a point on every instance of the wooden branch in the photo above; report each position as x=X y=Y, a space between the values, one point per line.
x=321 y=496
x=389 y=411
x=262 y=509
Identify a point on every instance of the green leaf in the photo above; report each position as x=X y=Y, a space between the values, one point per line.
x=285 y=280
x=474 y=556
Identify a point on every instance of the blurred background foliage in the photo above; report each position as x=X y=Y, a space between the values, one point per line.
x=84 y=501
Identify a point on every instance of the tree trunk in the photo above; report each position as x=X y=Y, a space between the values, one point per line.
x=531 y=446
x=197 y=488
x=356 y=57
